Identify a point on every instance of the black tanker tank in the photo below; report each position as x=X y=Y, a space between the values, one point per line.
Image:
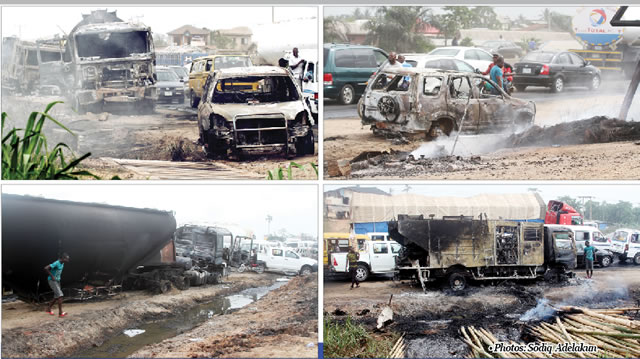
x=104 y=242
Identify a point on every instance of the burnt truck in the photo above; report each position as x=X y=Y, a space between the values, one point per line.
x=109 y=61
x=112 y=248
x=24 y=65
x=459 y=249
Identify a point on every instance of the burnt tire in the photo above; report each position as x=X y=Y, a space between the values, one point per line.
x=347 y=95
x=636 y=259
x=193 y=99
x=606 y=261
x=389 y=108
x=305 y=145
x=182 y=283
x=558 y=85
x=164 y=286
x=362 y=272
x=457 y=281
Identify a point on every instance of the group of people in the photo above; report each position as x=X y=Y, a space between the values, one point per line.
x=396 y=60
x=500 y=73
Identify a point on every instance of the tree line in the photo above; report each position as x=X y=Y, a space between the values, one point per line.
x=622 y=213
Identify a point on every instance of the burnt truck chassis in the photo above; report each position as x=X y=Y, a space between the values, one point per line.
x=461 y=248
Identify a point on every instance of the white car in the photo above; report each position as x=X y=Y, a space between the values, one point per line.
x=626 y=244
x=376 y=257
x=478 y=58
x=439 y=62
x=287 y=261
x=604 y=255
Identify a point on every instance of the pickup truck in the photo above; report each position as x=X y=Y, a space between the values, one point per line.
x=375 y=258
x=287 y=261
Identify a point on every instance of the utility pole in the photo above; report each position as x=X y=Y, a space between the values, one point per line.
x=590 y=204
x=269 y=219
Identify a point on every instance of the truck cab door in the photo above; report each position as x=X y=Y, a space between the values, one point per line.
x=634 y=244
x=382 y=260
x=565 y=249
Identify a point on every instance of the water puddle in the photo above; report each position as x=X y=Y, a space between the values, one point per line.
x=121 y=345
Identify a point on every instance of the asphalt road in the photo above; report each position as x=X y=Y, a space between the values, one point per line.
x=334 y=110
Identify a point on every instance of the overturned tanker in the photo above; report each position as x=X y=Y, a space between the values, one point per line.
x=462 y=248
x=111 y=248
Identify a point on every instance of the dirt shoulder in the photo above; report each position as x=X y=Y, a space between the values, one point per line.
x=27 y=331
x=281 y=324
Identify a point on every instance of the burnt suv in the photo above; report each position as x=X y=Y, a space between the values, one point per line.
x=254 y=110
x=413 y=101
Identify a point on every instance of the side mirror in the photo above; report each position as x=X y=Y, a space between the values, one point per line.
x=181 y=80
x=587 y=63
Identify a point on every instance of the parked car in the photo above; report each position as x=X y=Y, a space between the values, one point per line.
x=476 y=57
x=254 y=110
x=433 y=102
x=555 y=70
x=181 y=72
x=626 y=244
x=376 y=257
x=287 y=261
x=169 y=86
x=347 y=69
x=503 y=47
x=424 y=61
x=203 y=66
x=604 y=257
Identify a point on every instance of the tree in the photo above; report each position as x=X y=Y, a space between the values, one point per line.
x=220 y=41
x=334 y=30
x=394 y=28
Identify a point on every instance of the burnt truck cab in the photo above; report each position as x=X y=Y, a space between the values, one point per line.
x=458 y=249
x=254 y=110
x=111 y=62
x=201 y=247
x=413 y=101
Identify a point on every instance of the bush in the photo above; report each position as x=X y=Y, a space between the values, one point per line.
x=279 y=173
x=351 y=340
x=27 y=157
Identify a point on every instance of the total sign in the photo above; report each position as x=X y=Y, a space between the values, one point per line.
x=591 y=25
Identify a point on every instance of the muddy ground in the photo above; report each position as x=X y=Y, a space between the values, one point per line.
x=283 y=324
x=27 y=331
x=162 y=145
x=432 y=320
x=490 y=156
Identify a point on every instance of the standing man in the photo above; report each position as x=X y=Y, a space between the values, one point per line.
x=588 y=258
x=496 y=75
x=402 y=61
x=393 y=62
x=297 y=63
x=352 y=258
x=54 y=270
x=495 y=60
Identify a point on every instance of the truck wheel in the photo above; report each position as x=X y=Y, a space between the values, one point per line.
x=457 y=282
x=181 y=282
x=260 y=268
x=557 y=85
x=241 y=268
x=636 y=259
x=306 y=270
x=347 y=95
x=362 y=273
x=605 y=261
x=193 y=99
x=595 y=83
x=164 y=286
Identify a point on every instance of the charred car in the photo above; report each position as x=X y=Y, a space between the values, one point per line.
x=412 y=101
x=111 y=61
x=254 y=110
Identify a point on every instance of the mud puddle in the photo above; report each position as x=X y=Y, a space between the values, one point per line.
x=122 y=345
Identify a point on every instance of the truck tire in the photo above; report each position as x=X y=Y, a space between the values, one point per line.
x=457 y=282
x=182 y=283
x=164 y=286
x=606 y=261
x=636 y=259
x=362 y=272
x=305 y=270
x=347 y=95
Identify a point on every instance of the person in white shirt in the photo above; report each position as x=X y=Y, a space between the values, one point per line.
x=297 y=63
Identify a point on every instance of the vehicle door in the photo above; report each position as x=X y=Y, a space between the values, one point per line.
x=51 y=67
x=382 y=260
x=564 y=66
x=634 y=244
x=462 y=103
x=292 y=261
x=495 y=111
x=599 y=240
x=275 y=259
x=564 y=248
x=583 y=73
x=196 y=67
x=619 y=241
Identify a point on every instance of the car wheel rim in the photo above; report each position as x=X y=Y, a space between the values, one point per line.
x=595 y=83
x=347 y=95
x=559 y=85
x=605 y=261
x=458 y=284
x=360 y=274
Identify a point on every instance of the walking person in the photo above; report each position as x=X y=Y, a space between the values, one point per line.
x=589 y=250
x=54 y=270
x=352 y=258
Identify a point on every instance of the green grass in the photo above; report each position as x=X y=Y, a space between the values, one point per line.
x=28 y=158
x=351 y=340
x=279 y=174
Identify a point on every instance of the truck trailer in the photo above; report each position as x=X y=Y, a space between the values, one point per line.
x=459 y=249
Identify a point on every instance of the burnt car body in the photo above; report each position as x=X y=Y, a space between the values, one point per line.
x=555 y=70
x=462 y=248
x=111 y=61
x=427 y=101
x=254 y=110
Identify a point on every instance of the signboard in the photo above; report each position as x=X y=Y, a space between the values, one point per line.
x=591 y=26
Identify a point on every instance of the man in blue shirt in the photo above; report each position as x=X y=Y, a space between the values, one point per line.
x=588 y=258
x=54 y=270
x=496 y=75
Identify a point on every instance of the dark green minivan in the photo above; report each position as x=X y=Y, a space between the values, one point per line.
x=347 y=68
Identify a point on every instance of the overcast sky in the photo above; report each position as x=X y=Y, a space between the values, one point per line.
x=293 y=207
x=31 y=23
x=612 y=193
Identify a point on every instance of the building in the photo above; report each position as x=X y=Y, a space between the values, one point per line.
x=190 y=35
x=239 y=38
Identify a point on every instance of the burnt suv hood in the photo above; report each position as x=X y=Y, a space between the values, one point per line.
x=229 y=111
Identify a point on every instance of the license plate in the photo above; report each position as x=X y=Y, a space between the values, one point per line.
x=526 y=71
x=168 y=93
